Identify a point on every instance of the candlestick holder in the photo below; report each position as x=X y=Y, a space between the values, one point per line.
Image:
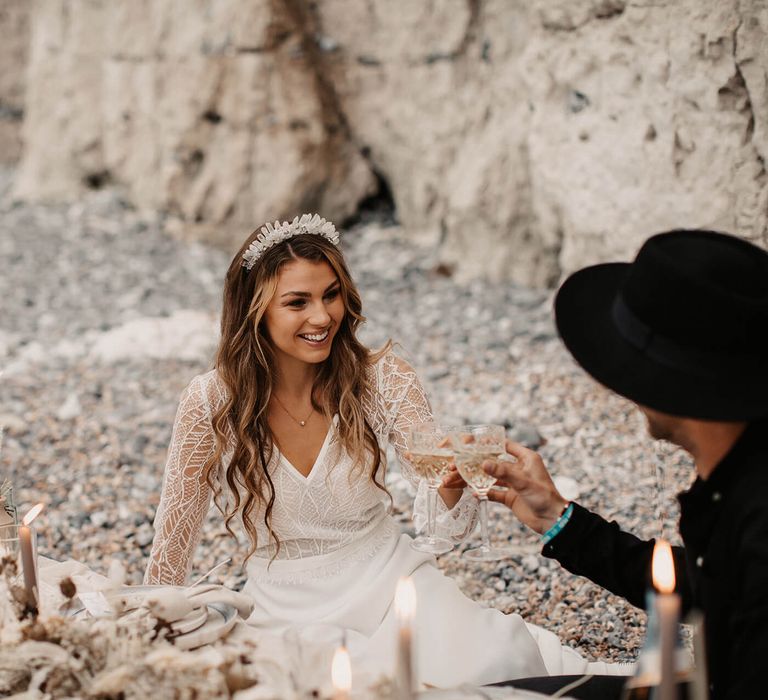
x=9 y=539
x=644 y=684
x=10 y=551
x=18 y=544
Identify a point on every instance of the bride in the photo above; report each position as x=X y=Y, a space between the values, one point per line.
x=287 y=435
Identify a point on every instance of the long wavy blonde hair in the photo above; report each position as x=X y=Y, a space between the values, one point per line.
x=245 y=362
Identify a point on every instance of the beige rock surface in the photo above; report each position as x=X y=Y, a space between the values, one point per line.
x=211 y=114
x=644 y=122
x=518 y=139
x=433 y=91
x=14 y=43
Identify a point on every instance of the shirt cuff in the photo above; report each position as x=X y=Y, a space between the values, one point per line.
x=570 y=536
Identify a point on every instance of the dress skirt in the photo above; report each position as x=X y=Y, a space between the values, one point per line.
x=456 y=640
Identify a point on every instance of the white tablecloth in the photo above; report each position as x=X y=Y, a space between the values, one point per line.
x=290 y=661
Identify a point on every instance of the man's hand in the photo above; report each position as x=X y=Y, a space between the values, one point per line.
x=530 y=493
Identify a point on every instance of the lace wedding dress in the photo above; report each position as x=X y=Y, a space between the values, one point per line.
x=342 y=553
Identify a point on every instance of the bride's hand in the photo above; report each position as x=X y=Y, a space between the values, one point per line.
x=530 y=492
x=453 y=480
x=451 y=488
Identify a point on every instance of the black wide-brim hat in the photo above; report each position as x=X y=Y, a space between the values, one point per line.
x=683 y=329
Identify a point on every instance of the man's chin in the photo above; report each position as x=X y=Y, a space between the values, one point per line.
x=658 y=432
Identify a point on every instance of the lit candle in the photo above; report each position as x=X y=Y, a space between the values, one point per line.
x=667 y=613
x=405 y=611
x=341 y=674
x=28 y=557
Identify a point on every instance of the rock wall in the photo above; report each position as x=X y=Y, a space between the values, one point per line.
x=648 y=117
x=207 y=111
x=14 y=43
x=519 y=139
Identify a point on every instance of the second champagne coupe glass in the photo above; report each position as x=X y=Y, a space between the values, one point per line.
x=473 y=445
x=431 y=456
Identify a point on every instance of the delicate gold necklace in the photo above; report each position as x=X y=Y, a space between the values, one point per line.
x=302 y=423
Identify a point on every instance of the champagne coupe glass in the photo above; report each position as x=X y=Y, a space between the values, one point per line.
x=473 y=445
x=9 y=539
x=9 y=546
x=431 y=456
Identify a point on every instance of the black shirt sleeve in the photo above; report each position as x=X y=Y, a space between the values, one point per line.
x=616 y=560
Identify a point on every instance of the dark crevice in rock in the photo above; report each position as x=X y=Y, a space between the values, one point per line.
x=370 y=61
x=604 y=10
x=610 y=8
x=485 y=52
x=193 y=163
x=98 y=179
x=749 y=132
x=735 y=93
x=577 y=101
x=212 y=116
x=379 y=206
x=11 y=113
x=733 y=96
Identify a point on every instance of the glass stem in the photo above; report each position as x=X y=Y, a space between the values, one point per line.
x=484 y=521
x=431 y=511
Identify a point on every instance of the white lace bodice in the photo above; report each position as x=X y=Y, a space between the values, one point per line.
x=331 y=509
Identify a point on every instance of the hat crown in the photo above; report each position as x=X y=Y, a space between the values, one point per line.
x=683 y=329
x=702 y=289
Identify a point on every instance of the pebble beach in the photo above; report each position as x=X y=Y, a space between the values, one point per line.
x=105 y=319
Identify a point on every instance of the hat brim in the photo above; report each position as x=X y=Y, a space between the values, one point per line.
x=583 y=314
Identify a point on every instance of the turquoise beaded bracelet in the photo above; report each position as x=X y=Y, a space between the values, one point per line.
x=560 y=523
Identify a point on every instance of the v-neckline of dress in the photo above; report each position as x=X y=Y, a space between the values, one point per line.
x=323 y=449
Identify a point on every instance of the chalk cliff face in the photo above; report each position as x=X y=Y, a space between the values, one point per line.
x=520 y=138
x=14 y=43
x=209 y=111
x=649 y=119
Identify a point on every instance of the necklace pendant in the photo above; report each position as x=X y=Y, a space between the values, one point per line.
x=302 y=423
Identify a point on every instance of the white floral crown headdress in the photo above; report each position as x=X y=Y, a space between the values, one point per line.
x=272 y=234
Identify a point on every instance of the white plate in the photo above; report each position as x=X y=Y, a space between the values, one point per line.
x=221 y=619
x=195 y=619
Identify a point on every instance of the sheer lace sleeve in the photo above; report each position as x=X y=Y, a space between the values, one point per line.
x=407 y=404
x=186 y=496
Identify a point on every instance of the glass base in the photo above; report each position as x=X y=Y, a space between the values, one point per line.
x=490 y=553
x=433 y=545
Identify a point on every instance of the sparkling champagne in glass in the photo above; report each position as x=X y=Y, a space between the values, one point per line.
x=473 y=445
x=431 y=456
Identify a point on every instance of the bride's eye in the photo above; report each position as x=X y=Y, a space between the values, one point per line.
x=297 y=303
x=330 y=296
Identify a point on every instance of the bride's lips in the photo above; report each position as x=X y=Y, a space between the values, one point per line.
x=316 y=340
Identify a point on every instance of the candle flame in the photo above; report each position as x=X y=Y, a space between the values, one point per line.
x=341 y=670
x=405 y=599
x=663 y=567
x=32 y=514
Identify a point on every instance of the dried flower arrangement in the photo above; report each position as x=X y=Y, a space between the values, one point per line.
x=107 y=658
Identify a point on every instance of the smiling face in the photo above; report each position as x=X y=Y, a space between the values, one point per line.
x=305 y=313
